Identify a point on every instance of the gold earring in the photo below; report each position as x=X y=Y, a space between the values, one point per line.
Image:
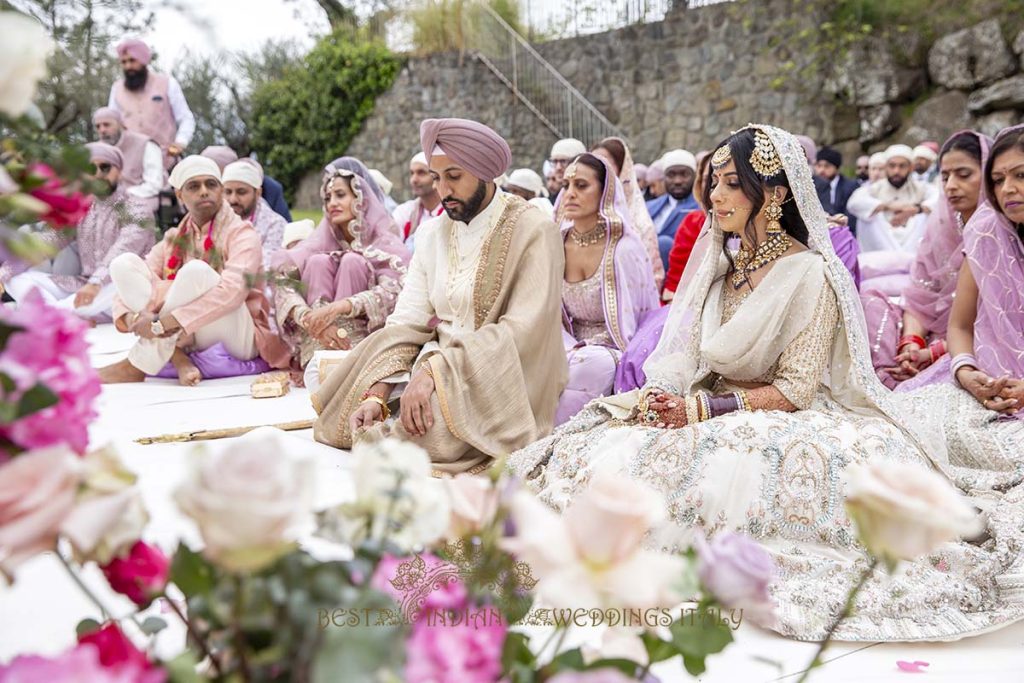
x=773 y=212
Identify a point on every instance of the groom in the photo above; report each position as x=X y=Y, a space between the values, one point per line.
x=471 y=359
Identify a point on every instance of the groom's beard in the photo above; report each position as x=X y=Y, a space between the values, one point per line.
x=136 y=80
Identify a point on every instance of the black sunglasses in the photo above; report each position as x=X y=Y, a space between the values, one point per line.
x=102 y=168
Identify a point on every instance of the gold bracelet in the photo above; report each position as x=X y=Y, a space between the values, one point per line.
x=704 y=412
x=384 y=410
x=690 y=403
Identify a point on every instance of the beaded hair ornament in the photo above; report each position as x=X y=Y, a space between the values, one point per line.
x=765 y=160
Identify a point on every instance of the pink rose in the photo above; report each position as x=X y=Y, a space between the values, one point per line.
x=50 y=349
x=66 y=208
x=738 y=572
x=454 y=653
x=76 y=665
x=141 y=576
x=119 y=654
x=608 y=675
x=37 y=493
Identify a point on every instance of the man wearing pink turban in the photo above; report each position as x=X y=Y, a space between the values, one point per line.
x=471 y=360
x=151 y=103
x=143 y=174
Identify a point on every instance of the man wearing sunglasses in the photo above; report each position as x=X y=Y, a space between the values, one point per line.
x=143 y=175
x=117 y=223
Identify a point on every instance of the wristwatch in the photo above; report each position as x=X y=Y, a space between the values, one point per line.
x=156 y=327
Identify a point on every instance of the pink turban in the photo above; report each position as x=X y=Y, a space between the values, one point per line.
x=104 y=113
x=472 y=145
x=136 y=49
x=101 y=151
x=221 y=154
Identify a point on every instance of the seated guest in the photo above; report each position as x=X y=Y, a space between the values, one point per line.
x=686 y=236
x=925 y=169
x=562 y=154
x=641 y=178
x=616 y=153
x=480 y=311
x=668 y=211
x=908 y=336
x=143 y=175
x=876 y=167
x=296 y=231
x=608 y=284
x=655 y=181
x=836 y=193
x=425 y=204
x=385 y=186
x=351 y=269
x=243 y=191
x=196 y=288
x=528 y=185
x=272 y=191
x=863 y=167
x=117 y=223
x=891 y=211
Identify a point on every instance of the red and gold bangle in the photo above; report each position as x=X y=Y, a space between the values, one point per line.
x=910 y=339
x=937 y=349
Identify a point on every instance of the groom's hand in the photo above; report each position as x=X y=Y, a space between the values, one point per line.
x=417 y=415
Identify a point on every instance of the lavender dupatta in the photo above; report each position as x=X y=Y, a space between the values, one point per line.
x=627 y=282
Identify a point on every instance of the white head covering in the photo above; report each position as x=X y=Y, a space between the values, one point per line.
x=297 y=231
x=527 y=179
x=420 y=158
x=244 y=173
x=568 y=148
x=877 y=159
x=382 y=181
x=925 y=152
x=899 y=151
x=191 y=167
x=679 y=157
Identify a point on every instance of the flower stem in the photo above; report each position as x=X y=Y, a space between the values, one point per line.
x=846 y=611
x=192 y=632
x=81 y=586
x=240 y=644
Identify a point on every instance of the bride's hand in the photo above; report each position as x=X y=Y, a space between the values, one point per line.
x=670 y=408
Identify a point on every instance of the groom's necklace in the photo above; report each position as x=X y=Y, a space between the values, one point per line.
x=748 y=261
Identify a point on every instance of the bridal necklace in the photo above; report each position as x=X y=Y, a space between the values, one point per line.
x=748 y=261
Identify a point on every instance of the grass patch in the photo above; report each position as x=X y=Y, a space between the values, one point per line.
x=313 y=215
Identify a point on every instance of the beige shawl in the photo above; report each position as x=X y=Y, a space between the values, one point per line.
x=497 y=386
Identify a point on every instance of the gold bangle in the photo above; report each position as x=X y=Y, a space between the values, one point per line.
x=705 y=407
x=690 y=403
x=384 y=410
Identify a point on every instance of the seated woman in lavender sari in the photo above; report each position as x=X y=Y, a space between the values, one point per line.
x=909 y=335
x=975 y=395
x=609 y=282
x=351 y=269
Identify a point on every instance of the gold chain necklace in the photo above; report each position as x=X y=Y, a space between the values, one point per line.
x=589 y=238
x=748 y=261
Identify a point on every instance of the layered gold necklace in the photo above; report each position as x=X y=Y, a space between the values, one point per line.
x=748 y=261
x=588 y=238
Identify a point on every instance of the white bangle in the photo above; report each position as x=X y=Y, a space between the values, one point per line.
x=961 y=360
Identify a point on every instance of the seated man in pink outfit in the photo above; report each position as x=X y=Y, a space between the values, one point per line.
x=195 y=289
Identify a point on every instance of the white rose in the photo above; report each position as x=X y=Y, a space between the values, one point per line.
x=249 y=497
x=904 y=511
x=474 y=502
x=109 y=515
x=23 y=53
x=396 y=498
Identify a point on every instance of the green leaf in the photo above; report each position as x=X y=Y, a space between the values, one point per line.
x=516 y=651
x=570 y=660
x=182 y=669
x=6 y=383
x=658 y=650
x=87 y=626
x=360 y=653
x=35 y=399
x=191 y=573
x=695 y=666
x=700 y=637
x=153 y=625
x=6 y=330
x=626 y=666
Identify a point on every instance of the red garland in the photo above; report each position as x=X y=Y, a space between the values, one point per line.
x=176 y=259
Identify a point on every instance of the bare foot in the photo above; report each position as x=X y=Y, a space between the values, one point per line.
x=121 y=372
x=188 y=373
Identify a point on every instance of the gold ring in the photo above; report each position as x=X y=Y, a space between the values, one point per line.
x=342 y=333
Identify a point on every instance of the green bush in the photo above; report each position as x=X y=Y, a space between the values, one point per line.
x=310 y=115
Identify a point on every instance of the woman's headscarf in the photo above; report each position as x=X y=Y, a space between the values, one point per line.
x=355 y=166
x=627 y=282
x=995 y=254
x=640 y=218
x=929 y=296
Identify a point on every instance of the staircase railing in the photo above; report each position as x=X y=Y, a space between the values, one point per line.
x=537 y=84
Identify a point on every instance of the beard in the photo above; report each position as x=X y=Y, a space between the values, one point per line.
x=678 y=192
x=469 y=208
x=136 y=80
x=897 y=181
x=111 y=138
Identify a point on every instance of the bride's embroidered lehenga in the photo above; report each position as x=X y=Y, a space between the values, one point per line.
x=778 y=475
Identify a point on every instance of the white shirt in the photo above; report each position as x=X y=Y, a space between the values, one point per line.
x=665 y=212
x=152 y=172
x=404 y=212
x=179 y=108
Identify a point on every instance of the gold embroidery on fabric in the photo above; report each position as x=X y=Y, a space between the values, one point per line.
x=489 y=272
x=442 y=400
x=614 y=236
x=397 y=359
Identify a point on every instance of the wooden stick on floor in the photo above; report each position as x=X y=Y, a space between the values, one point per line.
x=209 y=434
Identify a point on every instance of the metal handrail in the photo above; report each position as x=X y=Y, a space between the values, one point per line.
x=547 y=93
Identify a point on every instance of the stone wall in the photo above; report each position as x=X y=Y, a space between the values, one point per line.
x=689 y=80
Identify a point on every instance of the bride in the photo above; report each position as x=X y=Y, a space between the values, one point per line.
x=760 y=393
